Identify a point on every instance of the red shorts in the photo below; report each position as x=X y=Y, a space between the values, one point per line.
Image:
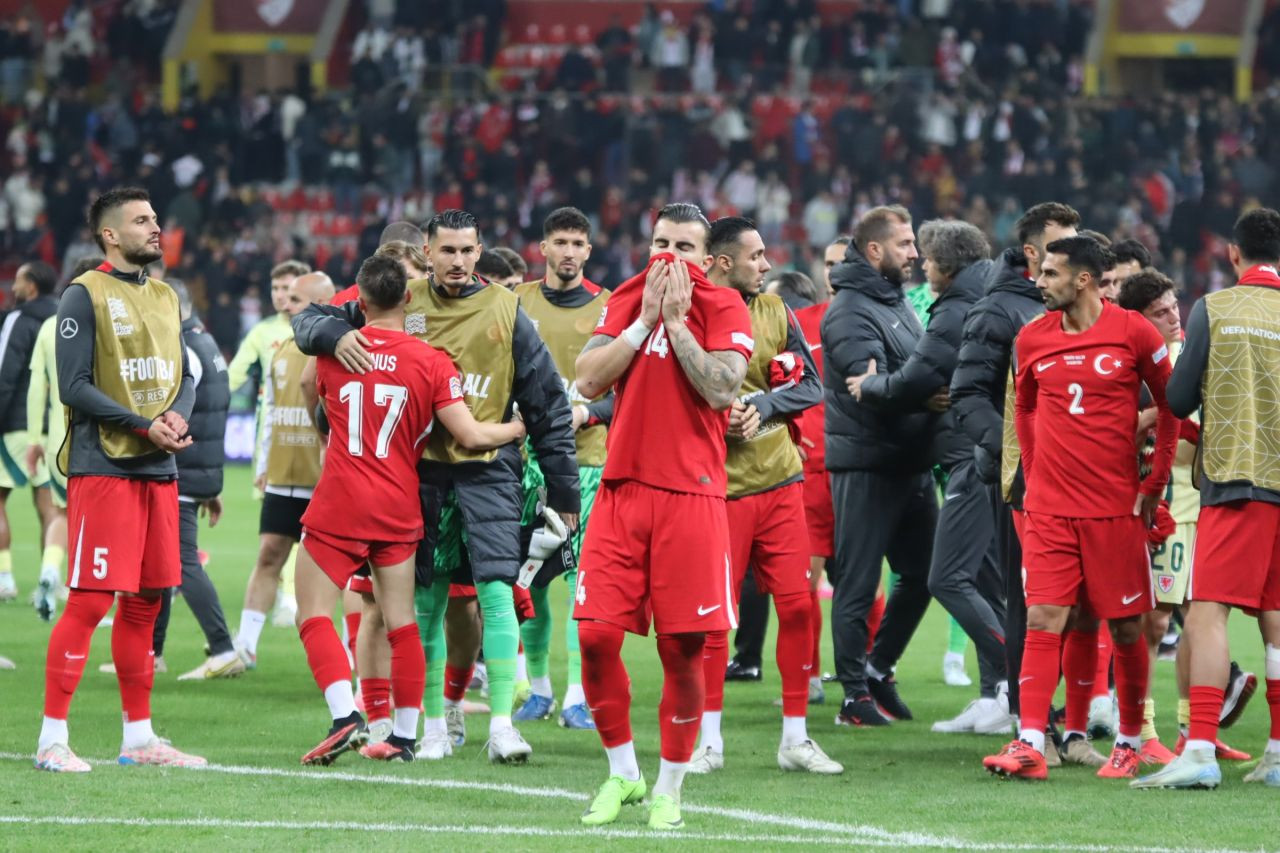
x=341 y=558
x=362 y=584
x=462 y=590
x=819 y=513
x=1237 y=555
x=1100 y=563
x=122 y=534
x=650 y=554
x=765 y=532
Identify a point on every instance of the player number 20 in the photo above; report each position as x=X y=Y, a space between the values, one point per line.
x=1077 y=398
x=391 y=397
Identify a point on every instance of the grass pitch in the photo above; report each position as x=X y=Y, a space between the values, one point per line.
x=904 y=787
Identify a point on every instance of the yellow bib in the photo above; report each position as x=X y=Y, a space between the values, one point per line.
x=293 y=454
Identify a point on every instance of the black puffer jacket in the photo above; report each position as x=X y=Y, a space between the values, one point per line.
x=200 y=465
x=982 y=375
x=870 y=318
x=17 y=342
x=934 y=361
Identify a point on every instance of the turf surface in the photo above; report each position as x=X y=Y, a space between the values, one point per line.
x=904 y=787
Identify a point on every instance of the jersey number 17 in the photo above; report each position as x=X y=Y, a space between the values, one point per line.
x=390 y=397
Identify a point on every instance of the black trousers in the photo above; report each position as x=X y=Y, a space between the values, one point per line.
x=1015 y=608
x=196 y=588
x=878 y=515
x=753 y=623
x=965 y=575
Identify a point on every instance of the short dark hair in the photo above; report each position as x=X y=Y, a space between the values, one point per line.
x=726 y=232
x=1131 y=250
x=382 y=282
x=43 y=276
x=454 y=220
x=842 y=240
x=1103 y=240
x=1031 y=225
x=1257 y=234
x=1142 y=288
x=512 y=257
x=680 y=212
x=876 y=224
x=405 y=232
x=291 y=267
x=566 y=219
x=493 y=266
x=83 y=265
x=796 y=290
x=109 y=201
x=1083 y=253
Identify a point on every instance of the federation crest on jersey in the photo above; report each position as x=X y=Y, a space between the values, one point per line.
x=282 y=373
x=415 y=324
x=1165 y=582
x=274 y=11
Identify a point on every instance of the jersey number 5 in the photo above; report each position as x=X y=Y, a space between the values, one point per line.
x=1077 y=398
x=391 y=397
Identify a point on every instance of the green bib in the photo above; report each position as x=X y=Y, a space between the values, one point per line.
x=293 y=454
x=770 y=456
x=565 y=331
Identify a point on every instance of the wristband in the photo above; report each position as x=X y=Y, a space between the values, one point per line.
x=636 y=334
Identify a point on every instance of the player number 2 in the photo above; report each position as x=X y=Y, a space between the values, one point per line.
x=1077 y=392
x=657 y=342
x=100 y=563
x=391 y=397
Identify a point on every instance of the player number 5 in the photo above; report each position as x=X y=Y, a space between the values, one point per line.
x=1077 y=399
x=391 y=397
x=100 y=563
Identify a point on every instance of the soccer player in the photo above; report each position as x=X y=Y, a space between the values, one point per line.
x=287 y=470
x=365 y=507
x=565 y=307
x=396 y=232
x=1079 y=369
x=676 y=348
x=124 y=377
x=476 y=493
x=33 y=287
x=1231 y=345
x=765 y=504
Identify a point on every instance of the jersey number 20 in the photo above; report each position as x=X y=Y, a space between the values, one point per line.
x=391 y=397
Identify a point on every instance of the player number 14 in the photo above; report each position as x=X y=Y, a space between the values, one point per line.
x=391 y=397
x=1077 y=398
x=657 y=343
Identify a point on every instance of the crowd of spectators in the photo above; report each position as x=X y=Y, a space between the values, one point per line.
x=971 y=112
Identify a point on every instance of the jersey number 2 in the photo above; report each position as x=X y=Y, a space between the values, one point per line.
x=1077 y=398
x=391 y=397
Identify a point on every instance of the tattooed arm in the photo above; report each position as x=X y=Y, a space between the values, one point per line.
x=613 y=347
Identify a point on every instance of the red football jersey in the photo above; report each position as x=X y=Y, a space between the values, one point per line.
x=811 y=419
x=663 y=433
x=1076 y=413
x=378 y=422
x=348 y=294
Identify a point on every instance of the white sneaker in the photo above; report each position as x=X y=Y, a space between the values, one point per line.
x=1102 y=717
x=8 y=588
x=1195 y=768
x=707 y=760
x=507 y=746
x=1267 y=771
x=379 y=730
x=225 y=665
x=987 y=711
x=953 y=671
x=5 y=663
x=286 y=612
x=809 y=757
x=434 y=746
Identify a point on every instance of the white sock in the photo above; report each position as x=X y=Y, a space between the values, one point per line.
x=622 y=761
x=573 y=695
x=793 y=731
x=1273 y=662
x=434 y=724
x=449 y=703
x=405 y=723
x=52 y=731
x=342 y=703
x=1202 y=744
x=950 y=656
x=874 y=673
x=1134 y=741
x=137 y=733
x=522 y=668
x=670 y=778
x=251 y=622
x=711 y=730
x=1035 y=738
x=1273 y=745
x=497 y=723
x=542 y=686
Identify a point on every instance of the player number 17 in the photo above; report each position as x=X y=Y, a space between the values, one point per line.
x=392 y=397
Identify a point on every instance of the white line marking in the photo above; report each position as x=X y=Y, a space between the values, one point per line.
x=850 y=834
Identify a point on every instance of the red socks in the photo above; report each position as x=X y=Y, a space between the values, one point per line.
x=1102 y=673
x=376 y=695
x=680 y=711
x=456 y=679
x=325 y=654
x=794 y=652
x=715 y=660
x=1206 y=707
x=873 y=619
x=1079 y=663
x=606 y=684
x=131 y=652
x=1133 y=669
x=352 y=621
x=1273 y=702
x=1039 y=678
x=815 y=628
x=408 y=666
x=69 y=648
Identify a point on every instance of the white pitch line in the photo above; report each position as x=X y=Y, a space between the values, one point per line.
x=846 y=833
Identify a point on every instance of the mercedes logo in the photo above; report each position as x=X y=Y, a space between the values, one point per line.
x=68 y=328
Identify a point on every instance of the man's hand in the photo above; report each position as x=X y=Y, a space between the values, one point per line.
x=1145 y=506
x=854 y=383
x=801 y=447
x=679 y=296
x=175 y=421
x=166 y=437
x=570 y=520
x=35 y=452
x=1146 y=422
x=940 y=401
x=655 y=286
x=260 y=482
x=213 y=507
x=580 y=416
x=352 y=352
x=744 y=419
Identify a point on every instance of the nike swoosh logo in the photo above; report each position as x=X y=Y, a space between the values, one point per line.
x=950 y=497
x=1025 y=679
x=896 y=324
x=1042 y=367
x=1130 y=599
x=703 y=611
x=1084 y=683
x=70 y=656
x=681 y=721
